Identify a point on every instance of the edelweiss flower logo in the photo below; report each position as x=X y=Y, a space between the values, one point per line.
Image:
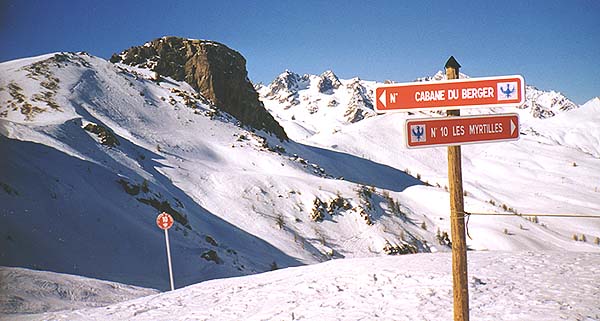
x=507 y=90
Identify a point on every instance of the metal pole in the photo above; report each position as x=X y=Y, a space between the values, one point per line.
x=459 y=243
x=169 y=259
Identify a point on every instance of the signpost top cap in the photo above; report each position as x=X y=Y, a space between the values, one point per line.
x=452 y=63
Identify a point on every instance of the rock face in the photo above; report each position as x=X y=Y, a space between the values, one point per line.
x=328 y=82
x=286 y=86
x=321 y=92
x=360 y=105
x=214 y=70
x=546 y=104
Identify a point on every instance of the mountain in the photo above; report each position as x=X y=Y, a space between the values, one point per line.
x=94 y=150
x=305 y=108
x=212 y=69
x=315 y=103
x=553 y=167
x=545 y=104
x=98 y=149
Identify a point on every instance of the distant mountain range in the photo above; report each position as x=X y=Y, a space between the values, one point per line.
x=325 y=101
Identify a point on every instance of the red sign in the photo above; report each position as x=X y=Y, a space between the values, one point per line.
x=451 y=94
x=432 y=132
x=164 y=221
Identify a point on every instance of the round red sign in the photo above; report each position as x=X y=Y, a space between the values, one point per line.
x=164 y=221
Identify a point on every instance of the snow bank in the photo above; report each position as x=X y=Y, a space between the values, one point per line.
x=502 y=286
x=28 y=291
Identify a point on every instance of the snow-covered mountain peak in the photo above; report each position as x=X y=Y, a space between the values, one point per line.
x=287 y=84
x=328 y=82
x=440 y=75
x=323 y=103
x=545 y=104
x=319 y=102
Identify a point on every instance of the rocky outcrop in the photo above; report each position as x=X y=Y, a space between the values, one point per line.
x=328 y=81
x=315 y=92
x=214 y=70
x=286 y=86
x=360 y=105
x=546 y=104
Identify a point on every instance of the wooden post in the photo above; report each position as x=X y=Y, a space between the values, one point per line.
x=457 y=221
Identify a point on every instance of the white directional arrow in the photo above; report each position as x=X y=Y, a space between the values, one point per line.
x=383 y=99
x=512 y=127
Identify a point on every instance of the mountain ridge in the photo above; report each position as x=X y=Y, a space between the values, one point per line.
x=289 y=92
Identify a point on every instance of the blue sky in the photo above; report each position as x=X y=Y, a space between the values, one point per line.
x=553 y=44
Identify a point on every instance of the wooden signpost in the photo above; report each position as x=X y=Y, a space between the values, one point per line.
x=453 y=131
x=460 y=281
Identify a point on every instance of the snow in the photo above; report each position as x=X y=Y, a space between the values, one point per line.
x=502 y=286
x=64 y=182
x=73 y=205
x=297 y=103
x=553 y=168
x=577 y=129
x=25 y=291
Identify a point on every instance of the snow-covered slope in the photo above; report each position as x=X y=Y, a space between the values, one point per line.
x=84 y=201
x=532 y=175
x=24 y=291
x=502 y=286
x=553 y=169
x=577 y=129
x=91 y=164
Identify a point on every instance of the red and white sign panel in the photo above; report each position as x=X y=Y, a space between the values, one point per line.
x=451 y=94
x=433 y=132
x=164 y=221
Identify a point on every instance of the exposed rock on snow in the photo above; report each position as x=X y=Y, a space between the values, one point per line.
x=545 y=104
x=328 y=82
x=214 y=70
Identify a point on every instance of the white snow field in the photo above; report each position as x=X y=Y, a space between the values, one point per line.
x=502 y=285
x=28 y=291
x=93 y=151
x=553 y=169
